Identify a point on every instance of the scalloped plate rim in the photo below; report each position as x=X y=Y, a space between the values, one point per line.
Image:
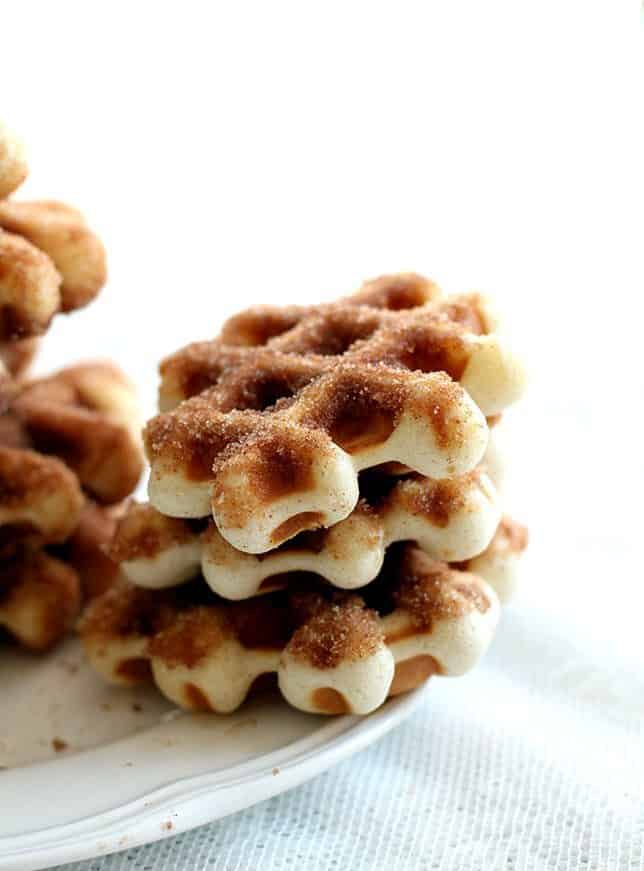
x=188 y=802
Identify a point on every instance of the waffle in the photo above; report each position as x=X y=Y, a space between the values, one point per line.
x=401 y=320
x=50 y=261
x=69 y=443
x=87 y=548
x=41 y=588
x=275 y=445
x=333 y=652
x=449 y=520
x=68 y=455
x=40 y=598
x=86 y=415
x=40 y=498
x=321 y=332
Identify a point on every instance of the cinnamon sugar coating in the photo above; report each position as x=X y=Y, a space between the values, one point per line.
x=428 y=591
x=62 y=235
x=350 y=418
x=39 y=277
x=39 y=598
x=144 y=533
x=69 y=443
x=450 y=519
x=68 y=454
x=50 y=260
x=87 y=548
x=84 y=415
x=124 y=611
x=266 y=421
x=259 y=324
x=40 y=498
x=190 y=636
x=29 y=288
x=336 y=633
x=364 y=328
x=313 y=636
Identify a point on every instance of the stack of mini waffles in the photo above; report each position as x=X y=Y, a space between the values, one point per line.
x=324 y=511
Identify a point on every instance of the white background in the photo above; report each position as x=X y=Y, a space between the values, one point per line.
x=271 y=152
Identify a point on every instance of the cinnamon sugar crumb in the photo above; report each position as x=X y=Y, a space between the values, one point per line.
x=192 y=636
x=143 y=533
x=437 y=500
x=346 y=368
x=430 y=590
x=126 y=610
x=337 y=633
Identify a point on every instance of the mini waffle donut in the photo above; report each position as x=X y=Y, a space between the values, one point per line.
x=41 y=587
x=40 y=498
x=39 y=598
x=277 y=416
x=267 y=475
x=61 y=233
x=419 y=330
x=499 y=562
x=333 y=652
x=29 y=288
x=86 y=415
x=450 y=520
x=61 y=438
x=86 y=549
x=261 y=323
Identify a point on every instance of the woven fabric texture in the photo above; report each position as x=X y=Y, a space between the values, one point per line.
x=535 y=761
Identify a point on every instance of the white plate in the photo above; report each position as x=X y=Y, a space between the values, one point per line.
x=92 y=769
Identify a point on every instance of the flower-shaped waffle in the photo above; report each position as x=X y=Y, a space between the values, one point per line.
x=87 y=416
x=50 y=261
x=333 y=652
x=450 y=520
x=41 y=587
x=274 y=446
x=69 y=454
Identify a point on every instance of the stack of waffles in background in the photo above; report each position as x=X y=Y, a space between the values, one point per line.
x=69 y=443
x=323 y=509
